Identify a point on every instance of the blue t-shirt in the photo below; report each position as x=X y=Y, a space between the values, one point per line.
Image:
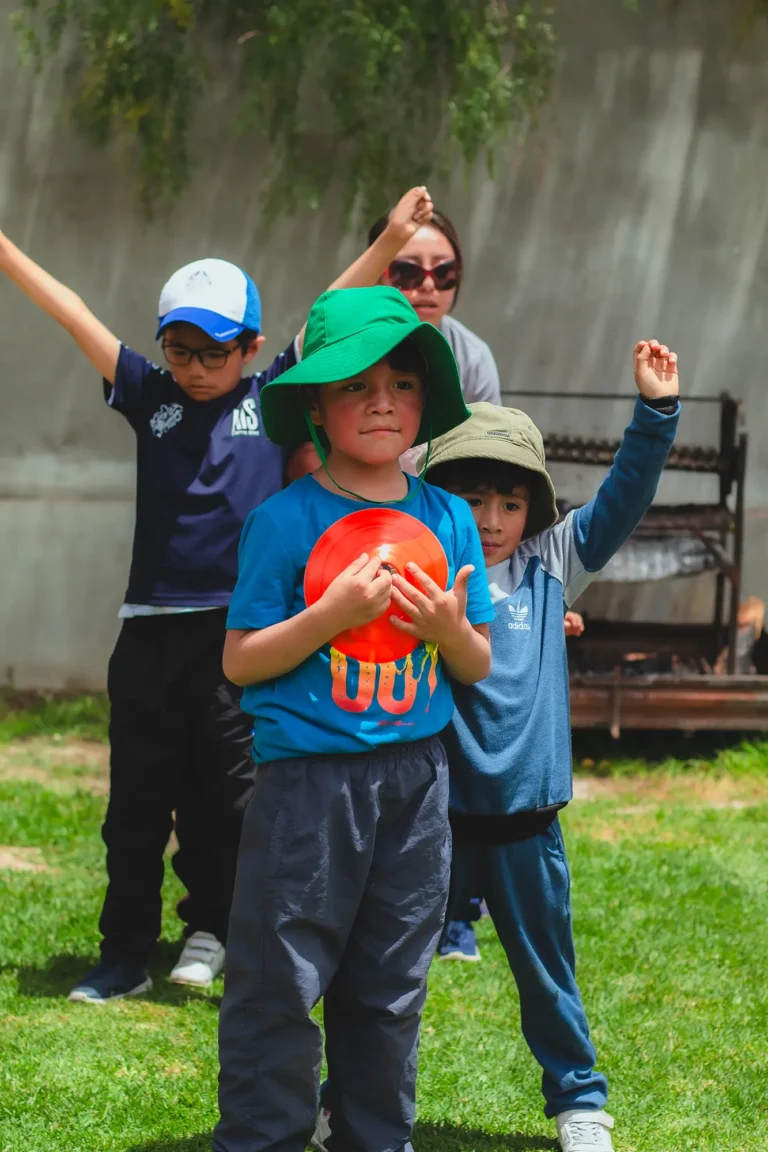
x=331 y=704
x=201 y=466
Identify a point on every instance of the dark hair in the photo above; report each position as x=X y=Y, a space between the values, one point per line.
x=444 y=225
x=246 y=336
x=479 y=475
x=408 y=357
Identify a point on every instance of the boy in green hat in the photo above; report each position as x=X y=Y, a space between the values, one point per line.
x=509 y=743
x=345 y=855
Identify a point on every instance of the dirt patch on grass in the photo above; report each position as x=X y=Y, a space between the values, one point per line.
x=697 y=790
x=70 y=763
x=64 y=764
x=21 y=860
x=643 y=807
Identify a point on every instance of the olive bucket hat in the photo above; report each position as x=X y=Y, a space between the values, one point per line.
x=509 y=436
x=349 y=330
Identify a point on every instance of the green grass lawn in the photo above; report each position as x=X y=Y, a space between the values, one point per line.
x=671 y=907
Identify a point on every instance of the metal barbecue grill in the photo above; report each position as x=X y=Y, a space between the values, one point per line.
x=649 y=675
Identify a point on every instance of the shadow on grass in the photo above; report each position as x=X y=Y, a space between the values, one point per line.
x=187 y=1144
x=56 y=979
x=448 y=1138
x=426 y=1137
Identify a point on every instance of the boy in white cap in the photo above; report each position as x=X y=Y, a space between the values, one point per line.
x=179 y=741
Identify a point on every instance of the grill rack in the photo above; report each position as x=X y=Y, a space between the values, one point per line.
x=720 y=528
x=580 y=450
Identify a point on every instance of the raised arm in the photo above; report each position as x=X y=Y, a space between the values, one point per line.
x=591 y=535
x=412 y=212
x=64 y=306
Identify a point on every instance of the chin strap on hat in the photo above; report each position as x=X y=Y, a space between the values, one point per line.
x=319 y=448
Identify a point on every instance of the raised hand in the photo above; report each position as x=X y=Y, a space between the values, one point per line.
x=64 y=306
x=412 y=212
x=435 y=615
x=655 y=370
x=358 y=594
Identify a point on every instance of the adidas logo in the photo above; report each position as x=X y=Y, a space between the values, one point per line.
x=519 y=614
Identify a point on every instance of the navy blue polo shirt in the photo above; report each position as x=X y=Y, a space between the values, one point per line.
x=201 y=466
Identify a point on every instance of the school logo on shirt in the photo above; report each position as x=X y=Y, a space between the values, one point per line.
x=166 y=417
x=245 y=419
x=519 y=614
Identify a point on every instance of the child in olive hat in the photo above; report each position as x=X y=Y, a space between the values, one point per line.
x=345 y=853
x=509 y=744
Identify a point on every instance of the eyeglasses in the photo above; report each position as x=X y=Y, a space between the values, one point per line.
x=406 y=274
x=180 y=357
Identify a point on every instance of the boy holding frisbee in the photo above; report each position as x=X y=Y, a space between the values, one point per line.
x=345 y=856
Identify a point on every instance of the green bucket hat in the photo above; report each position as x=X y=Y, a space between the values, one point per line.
x=348 y=330
x=508 y=435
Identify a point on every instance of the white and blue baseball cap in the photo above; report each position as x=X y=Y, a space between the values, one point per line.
x=214 y=295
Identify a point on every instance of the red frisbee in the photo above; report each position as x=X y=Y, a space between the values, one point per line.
x=398 y=539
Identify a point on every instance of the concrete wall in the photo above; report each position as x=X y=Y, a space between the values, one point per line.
x=636 y=208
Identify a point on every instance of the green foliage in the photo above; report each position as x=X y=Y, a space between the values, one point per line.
x=748 y=12
x=378 y=93
x=25 y=714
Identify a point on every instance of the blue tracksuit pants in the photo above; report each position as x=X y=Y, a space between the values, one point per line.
x=527 y=888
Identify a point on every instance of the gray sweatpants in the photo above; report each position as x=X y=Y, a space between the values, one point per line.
x=342 y=881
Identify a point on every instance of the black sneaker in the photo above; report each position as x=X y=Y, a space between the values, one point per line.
x=112 y=980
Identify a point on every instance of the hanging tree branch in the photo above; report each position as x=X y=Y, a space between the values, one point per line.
x=378 y=93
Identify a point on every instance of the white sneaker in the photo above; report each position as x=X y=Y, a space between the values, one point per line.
x=200 y=962
x=580 y=1130
x=322 y=1131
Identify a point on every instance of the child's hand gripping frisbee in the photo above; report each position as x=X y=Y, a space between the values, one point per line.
x=398 y=539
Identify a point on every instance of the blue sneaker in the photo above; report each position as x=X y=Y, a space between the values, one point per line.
x=458 y=942
x=112 y=980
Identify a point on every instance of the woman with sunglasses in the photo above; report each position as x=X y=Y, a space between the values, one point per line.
x=428 y=271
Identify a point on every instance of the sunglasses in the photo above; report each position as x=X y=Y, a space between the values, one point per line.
x=406 y=274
